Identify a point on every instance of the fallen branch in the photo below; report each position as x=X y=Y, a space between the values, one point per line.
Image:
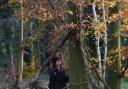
x=81 y=84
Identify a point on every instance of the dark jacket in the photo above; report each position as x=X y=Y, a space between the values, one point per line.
x=57 y=79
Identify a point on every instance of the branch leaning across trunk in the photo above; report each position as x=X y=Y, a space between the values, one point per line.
x=61 y=43
x=58 y=47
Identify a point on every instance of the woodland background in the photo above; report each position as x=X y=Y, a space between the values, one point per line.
x=90 y=36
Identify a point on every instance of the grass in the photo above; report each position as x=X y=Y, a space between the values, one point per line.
x=124 y=84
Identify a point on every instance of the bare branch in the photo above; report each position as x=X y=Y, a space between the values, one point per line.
x=95 y=69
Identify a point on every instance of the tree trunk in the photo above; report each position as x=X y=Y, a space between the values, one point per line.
x=8 y=43
x=97 y=43
x=22 y=28
x=76 y=65
x=112 y=76
x=97 y=39
x=76 y=59
x=105 y=38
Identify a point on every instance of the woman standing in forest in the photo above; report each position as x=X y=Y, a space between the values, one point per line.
x=57 y=75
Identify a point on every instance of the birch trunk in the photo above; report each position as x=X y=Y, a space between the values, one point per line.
x=22 y=28
x=105 y=37
x=97 y=39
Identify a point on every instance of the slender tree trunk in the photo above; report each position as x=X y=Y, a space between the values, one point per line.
x=97 y=43
x=22 y=28
x=32 y=51
x=11 y=55
x=97 y=39
x=113 y=71
x=105 y=37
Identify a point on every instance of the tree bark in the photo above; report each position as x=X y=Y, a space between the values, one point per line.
x=105 y=38
x=76 y=59
x=22 y=28
x=113 y=71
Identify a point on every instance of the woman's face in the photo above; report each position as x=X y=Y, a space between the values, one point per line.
x=58 y=63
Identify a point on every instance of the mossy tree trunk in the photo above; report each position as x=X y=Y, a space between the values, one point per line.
x=76 y=60
x=114 y=68
x=76 y=65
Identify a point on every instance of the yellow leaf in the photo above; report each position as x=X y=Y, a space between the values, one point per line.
x=70 y=12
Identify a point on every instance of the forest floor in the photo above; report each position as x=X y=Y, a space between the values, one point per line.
x=4 y=82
